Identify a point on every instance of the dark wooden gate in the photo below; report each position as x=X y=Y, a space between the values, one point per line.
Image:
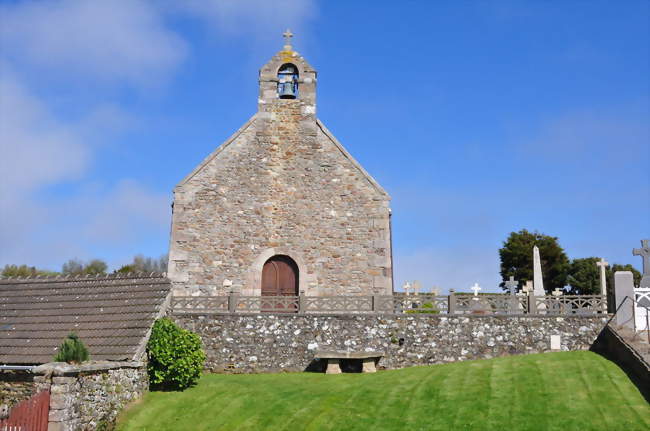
x=29 y=415
x=280 y=278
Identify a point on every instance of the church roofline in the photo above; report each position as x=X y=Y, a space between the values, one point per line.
x=322 y=127
x=218 y=150
x=356 y=164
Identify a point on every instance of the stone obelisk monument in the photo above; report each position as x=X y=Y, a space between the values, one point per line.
x=538 y=281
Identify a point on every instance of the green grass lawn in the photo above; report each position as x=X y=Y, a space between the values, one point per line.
x=552 y=391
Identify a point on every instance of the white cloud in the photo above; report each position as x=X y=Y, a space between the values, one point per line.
x=259 y=17
x=117 y=40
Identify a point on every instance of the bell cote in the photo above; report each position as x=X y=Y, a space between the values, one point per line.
x=288 y=78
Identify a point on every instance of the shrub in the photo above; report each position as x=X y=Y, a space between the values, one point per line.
x=175 y=356
x=72 y=350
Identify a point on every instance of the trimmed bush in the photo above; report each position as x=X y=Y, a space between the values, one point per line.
x=176 y=356
x=72 y=350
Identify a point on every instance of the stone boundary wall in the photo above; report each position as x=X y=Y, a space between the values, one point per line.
x=15 y=386
x=91 y=395
x=275 y=342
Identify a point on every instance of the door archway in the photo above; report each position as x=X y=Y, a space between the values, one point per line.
x=280 y=277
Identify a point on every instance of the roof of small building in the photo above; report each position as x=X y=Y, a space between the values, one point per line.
x=112 y=315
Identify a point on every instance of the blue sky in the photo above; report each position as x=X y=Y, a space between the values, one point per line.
x=479 y=118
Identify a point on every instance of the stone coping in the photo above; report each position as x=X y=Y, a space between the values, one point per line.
x=414 y=315
x=65 y=369
x=344 y=354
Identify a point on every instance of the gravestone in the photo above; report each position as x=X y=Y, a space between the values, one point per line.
x=417 y=286
x=624 y=287
x=538 y=279
x=512 y=284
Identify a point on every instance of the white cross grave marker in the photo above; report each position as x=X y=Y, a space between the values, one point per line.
x=557 y=292
x=476 y=288
x=407 y=287
x=603 y=283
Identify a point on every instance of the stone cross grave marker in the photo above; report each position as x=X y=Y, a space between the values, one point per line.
x=417 y=286
x=476 y=288
x=407 y=287
x=557 y=292
x=644 y=252
x=511 y=284
x=603 y=283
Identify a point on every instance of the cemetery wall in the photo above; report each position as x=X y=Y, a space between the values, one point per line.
x=90 y=396
x=269 y=343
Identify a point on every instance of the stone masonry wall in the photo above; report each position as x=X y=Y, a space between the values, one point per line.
x=15 y=386
x=89 y=396
x=271 y=343
x=282 y=187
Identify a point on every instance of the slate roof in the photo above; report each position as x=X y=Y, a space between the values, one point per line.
x=112 y=315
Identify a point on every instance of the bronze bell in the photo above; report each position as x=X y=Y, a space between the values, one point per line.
x=287 y=82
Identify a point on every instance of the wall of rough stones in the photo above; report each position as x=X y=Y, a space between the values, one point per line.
x=283 y=185
x=270 y=343
x=15 y=386
x=91 y=395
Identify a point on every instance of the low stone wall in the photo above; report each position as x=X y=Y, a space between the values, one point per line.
x=15 y=386
x=270 y=343
x=90 y=396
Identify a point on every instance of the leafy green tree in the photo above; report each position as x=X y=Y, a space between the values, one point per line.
x=77 y=267
x=584 y=276
x=145 y=264
x=517 y=259
x=636 y=275
x=176 y=356
x=24 y=271
x=72 y=350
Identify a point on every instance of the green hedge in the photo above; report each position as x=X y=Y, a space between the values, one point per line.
x=176 y=356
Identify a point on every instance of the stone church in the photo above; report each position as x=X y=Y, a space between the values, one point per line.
x=281 y=208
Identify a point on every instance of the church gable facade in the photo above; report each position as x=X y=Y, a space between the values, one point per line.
x=281 y=208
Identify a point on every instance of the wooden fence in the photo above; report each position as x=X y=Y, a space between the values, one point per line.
x=29 y=415
x=395 y=304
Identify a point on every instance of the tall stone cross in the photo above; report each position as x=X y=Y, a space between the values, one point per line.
x=406 y=287
x=476 y=288
x=603 y=283
x=512 y=284
x=644 y=252
x=287 y=40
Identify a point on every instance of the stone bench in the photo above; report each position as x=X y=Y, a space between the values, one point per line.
x=334 y=360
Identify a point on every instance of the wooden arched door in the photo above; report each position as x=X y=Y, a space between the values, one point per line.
x=280 y=277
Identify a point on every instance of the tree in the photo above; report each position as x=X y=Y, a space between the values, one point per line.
x=77 y=267
x=25 y=271
x=584 y=276
x=72 y=350
x=517 y=259
x=145 y=264
x=636 y=275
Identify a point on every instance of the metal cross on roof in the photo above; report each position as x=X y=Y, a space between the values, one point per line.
x=287 y=37
x=512 y=284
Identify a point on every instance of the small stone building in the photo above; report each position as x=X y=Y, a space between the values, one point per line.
x=281 y=207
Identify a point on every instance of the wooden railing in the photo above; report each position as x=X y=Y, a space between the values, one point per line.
x=395 y=304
